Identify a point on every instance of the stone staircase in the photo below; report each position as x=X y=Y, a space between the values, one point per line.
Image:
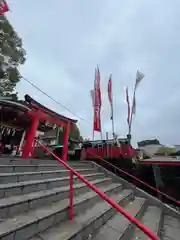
x=34 y=204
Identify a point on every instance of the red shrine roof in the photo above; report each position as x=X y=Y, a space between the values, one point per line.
x=30 y=100
x=13 y=112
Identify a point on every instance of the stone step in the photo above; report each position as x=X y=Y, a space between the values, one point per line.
x=74 y=163
x=18 y=204
x=71 y=163
x=119 y=227
x=12 y=189
x=28 y=176
x=20 y=161
x=24 y=226
x=21 y=167
x=30 y=168
x=79 y=165
x=171 y=228
x=152 y=218
x=87 y=221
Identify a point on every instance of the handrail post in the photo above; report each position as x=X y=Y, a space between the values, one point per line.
x=71 y=196
x=121 y=210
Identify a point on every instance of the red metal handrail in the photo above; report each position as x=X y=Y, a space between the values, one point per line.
x=144 y=183
x=132 y=219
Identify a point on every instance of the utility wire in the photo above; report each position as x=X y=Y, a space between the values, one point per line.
x=54 y=100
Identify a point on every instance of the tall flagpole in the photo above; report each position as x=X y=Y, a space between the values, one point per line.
x=110 y=96
x=112 y=110
x=132 y=107
x=112 y=119
x=101 y=125
x=101 y=131
x=99 y=100
x=92 y=95
x=131 y=116
x=93 y=101
x=93 y=130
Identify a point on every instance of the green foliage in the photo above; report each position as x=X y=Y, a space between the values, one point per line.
x=74 y=134
x=11 y=56
x=165 y=151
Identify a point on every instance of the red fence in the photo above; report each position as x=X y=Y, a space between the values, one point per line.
x=138 y=180
x=119 y=209
x=125 y=150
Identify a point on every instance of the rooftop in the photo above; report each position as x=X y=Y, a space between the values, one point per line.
x=13 y=113
x=30 y=101
x=100 y=141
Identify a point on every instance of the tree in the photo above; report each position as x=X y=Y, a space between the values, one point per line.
x=75 y=133
x=165 y=151
x=11 y=56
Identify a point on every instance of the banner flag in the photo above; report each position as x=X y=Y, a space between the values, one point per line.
x=97 y=89
x=110 y=96
x=97 y=119
x=97 y=101
x=139 y=77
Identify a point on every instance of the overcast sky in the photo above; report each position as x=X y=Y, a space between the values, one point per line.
x=65 y=39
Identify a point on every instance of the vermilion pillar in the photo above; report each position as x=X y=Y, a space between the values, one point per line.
x=66 y=138
x=30 y=135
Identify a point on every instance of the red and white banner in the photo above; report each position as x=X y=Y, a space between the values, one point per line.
x=3 y=7
x=97 y=102
x=97 y=119
x=97 y=89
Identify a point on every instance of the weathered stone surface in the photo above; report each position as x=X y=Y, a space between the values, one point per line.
x=34 y=204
